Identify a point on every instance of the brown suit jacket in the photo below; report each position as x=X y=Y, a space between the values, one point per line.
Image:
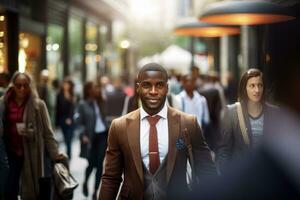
x=123 y=156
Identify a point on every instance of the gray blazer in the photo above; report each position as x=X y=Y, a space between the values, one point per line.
x=232 y=145
x=86 y=118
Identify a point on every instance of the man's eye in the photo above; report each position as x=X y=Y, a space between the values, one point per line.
x=160 y=85
x=146 y=85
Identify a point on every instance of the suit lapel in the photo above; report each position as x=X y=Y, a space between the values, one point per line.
x=133 y=133
x=174 y=130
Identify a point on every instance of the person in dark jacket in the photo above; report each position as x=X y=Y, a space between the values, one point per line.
x=93 y=128
x=3 y=166
x=65 y=105
x=256 y=114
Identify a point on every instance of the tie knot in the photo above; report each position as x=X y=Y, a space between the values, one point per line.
x=153 y=120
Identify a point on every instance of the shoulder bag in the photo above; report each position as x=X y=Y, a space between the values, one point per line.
x=242 y=123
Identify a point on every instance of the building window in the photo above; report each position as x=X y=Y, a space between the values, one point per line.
x=91 y=48
x=3 y=44
x=29 y=53
x=54 y=51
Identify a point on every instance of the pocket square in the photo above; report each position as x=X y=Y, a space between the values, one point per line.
x=180 y=144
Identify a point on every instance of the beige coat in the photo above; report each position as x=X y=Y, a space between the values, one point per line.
x=35 y=117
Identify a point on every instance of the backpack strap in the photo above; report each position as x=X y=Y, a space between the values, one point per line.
x=242 y=123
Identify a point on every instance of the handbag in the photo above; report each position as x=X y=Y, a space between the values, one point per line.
x=64 y=182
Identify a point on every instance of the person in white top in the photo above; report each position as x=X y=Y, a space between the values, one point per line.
x=192 y=102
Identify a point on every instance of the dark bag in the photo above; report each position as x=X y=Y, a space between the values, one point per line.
x=45 y=186
x=64 y=182
x=83 y=148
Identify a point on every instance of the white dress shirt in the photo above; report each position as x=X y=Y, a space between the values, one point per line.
x=99 y=127
x=195 y=106
x=162 y=135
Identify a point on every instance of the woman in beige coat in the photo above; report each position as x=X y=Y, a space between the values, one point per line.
x=27 y=134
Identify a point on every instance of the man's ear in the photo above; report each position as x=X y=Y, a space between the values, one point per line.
x=137 y=87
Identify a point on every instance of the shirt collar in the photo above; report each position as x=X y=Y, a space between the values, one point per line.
x=162 y=113
x=195 y=94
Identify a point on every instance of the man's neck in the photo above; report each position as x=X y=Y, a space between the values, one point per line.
x=190 y=94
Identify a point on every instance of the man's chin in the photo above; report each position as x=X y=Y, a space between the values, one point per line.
x=153 y=107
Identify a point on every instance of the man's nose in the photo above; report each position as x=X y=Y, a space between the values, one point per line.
x=153 y=90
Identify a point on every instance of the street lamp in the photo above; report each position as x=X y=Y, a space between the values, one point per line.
x=125 y=44
x=203 y=29
x=245 y=13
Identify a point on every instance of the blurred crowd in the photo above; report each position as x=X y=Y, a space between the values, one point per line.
x=233 y=120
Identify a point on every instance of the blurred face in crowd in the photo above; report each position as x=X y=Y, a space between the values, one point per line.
x=255 y=89
x=152 y=88
x=21 y=86
x=66 y=86
x=97 y=90
x=188 y=83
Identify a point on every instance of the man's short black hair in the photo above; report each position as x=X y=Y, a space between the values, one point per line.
x=153 y=67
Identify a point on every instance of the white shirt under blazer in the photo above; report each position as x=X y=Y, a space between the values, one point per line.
x=162 y=135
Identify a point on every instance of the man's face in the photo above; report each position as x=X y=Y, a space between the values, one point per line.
x=152 y=88
x=255 y=89
x=189 y=84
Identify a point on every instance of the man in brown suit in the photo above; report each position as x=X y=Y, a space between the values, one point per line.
x=153 y=155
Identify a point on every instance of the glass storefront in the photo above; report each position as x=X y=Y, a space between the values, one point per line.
x=102 y=49
x=75 y=52
x=29 y=56
x=54 y=51
x=91 y=48
x=3 y=44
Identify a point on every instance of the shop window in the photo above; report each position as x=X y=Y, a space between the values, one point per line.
x=29 y=53
x=3 y=44
x=54 y=51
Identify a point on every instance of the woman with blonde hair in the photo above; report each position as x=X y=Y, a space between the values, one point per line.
x=27 y=134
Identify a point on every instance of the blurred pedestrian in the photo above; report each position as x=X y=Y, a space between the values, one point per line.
x=114 y=102
x=91 y=121
x=3 y=162
x=4 y=80
x=192 y=102
x=28 y=133
x=232 y=88
x=215 y=108
x=65 y=106
x=244 y=122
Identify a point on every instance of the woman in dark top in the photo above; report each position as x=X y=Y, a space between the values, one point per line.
x=256 y=113
x=65 y=105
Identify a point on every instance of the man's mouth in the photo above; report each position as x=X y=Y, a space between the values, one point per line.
x=153 y=100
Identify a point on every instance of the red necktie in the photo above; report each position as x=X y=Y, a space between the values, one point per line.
x=154 y=161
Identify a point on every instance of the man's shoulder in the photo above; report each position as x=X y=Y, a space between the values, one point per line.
x=131 y=115
x=182 y=115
